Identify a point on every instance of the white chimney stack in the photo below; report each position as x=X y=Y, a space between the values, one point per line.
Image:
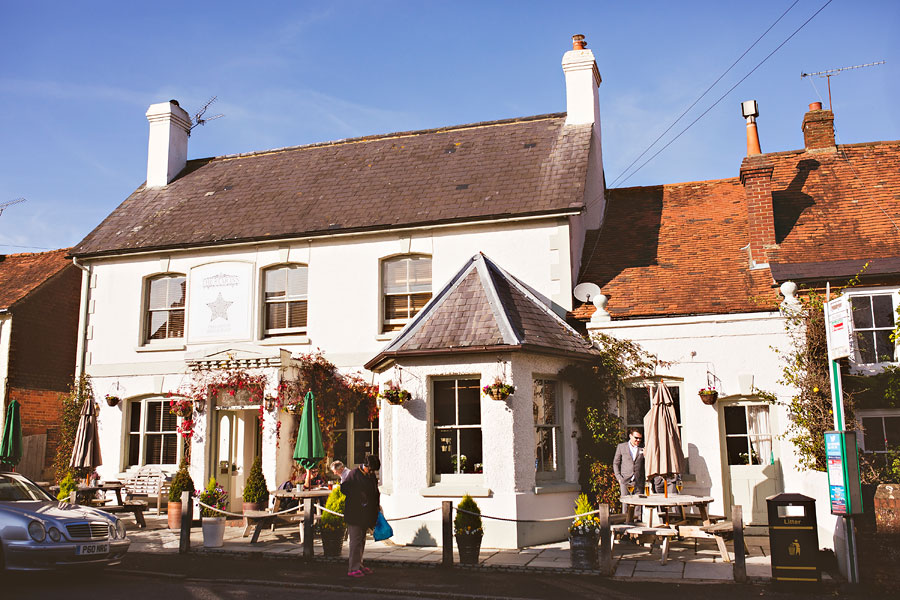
x=582 y=80
x=170 y=126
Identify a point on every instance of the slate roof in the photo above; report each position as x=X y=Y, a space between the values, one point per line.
x=527 y=166
x=484 y=309
x=20 y=274
x=677 y=249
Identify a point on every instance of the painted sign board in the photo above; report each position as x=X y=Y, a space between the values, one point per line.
x=840 y=328
x=842 y=458
x=219 y=302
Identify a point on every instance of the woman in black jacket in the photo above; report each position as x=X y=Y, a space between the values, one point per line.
x=361 y=510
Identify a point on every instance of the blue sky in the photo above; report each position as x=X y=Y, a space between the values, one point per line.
x=77 y=77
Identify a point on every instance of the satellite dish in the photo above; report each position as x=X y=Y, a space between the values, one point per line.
x=586 y=291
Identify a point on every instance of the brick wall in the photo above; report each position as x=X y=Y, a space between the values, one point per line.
x=39 y=414
x=757 y=181
x=44 y=334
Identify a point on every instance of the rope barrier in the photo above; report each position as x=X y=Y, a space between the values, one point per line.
x=321 y=508
x=468 y=512
x=231 y=514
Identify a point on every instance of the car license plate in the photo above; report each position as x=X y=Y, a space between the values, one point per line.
x=86 y=549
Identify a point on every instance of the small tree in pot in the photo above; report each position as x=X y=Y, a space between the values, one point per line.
x=332 y=527
x=256 y=494
x=181 y=482
x=584 y=535
x=468 y=529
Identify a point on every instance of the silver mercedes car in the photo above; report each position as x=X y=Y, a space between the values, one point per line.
x=38 y=532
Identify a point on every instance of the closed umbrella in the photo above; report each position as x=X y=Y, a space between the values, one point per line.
x=309 y=450
x=11 y=443
x=662 y=440
x=86 y=449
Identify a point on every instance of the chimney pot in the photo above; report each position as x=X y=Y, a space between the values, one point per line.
x=750 y=111
x=578 y=42
x=815 y=106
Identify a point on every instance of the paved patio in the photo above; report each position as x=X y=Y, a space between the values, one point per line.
x=631 y=561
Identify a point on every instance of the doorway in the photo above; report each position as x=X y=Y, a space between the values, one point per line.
x=237 y=445
x=751 y=468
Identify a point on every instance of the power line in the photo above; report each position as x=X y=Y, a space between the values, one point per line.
x=731 y=89
x=714 y=83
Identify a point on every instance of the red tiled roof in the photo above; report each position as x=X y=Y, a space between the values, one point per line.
x=483 y=308
x=677 y=249
x=20 y=274
x=533 y=165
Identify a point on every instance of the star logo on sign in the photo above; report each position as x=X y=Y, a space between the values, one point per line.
x=219 y=308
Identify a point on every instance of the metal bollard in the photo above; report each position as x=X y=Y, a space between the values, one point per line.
x=447 y=533
x=187 y=516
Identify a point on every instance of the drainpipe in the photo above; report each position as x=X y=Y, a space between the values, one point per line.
x=81 y=350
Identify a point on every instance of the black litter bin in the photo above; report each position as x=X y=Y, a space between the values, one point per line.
x=793 y=539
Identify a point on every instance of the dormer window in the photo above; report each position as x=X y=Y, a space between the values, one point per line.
x=285 y=299
x=406 y=285
x=164 y=299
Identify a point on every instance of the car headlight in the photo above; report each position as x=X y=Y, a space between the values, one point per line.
x=113 y=534
x=120 y=529
x=37 y=531
x=54 y=534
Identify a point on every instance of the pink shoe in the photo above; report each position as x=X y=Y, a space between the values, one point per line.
x=355 y=574
x=366 y=570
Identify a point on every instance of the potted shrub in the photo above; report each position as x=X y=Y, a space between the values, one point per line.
x=584 y=536
x=66 y=486
x=256 y=494
x=213 y=521
x=181 y=482
x=332 y=527
x=709 y=395
x=468 y=530
x=394 y=395
x=499 y=390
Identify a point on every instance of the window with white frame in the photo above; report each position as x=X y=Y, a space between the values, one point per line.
x=285 y=299
x=637 y=405
x=456 y=419
x=880 y=430
x=406 y=288
x=873 y=322
x=548 y=433
x=363 y=431
x=164 y=301
x=748 y=434
x=152 y=433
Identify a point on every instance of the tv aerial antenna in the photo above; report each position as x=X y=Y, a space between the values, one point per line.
x=828 y=74
x=10 y=203
x=199 y=118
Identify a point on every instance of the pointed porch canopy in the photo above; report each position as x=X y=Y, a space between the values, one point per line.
x=484 y=309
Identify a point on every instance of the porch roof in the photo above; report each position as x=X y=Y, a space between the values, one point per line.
x=484 y=309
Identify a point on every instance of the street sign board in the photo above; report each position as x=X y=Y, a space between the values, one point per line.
x=842 y=458
x=840 y=328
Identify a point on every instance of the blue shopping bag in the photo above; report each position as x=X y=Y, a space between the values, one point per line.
x=383 y=529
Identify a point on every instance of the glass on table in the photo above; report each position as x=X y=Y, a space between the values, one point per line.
x=630 y=487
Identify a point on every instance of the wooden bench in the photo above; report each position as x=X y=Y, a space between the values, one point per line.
x=148 y=482
x=720 y=532
x=136 y=508
x=259 y=519
x=651 y=534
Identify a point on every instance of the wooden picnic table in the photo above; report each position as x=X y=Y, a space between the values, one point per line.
x=84 y=494
x=655 y=502
x=266 y=518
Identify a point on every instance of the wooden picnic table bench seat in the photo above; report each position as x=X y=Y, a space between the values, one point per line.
x=258 y=519
x=651 y=534
x=135 y=507
x=148 y=482
x=720 y=532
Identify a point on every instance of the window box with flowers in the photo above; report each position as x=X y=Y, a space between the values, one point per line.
x=499 y=390
x=709 y=395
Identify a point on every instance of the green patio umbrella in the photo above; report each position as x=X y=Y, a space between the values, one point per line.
x=11 y=444
x=309 y=450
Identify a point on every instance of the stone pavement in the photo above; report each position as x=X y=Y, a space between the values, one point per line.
x=632 y=562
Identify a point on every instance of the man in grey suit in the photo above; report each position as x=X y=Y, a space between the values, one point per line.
x=628 y=465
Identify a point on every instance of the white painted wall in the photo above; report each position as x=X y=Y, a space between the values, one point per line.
x=5 y=331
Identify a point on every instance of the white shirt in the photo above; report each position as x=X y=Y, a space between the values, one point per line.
x=634 y=450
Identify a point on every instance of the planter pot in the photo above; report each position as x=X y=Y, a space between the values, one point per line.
x=469 y=547
x=333 y=542
x=173 y=514
x=112 y=401
x=251 y=506
x=499 y=395
x=709 y=398
x=584 y=551
x=213 y=532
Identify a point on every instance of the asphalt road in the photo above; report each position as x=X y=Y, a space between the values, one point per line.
x=228 y=577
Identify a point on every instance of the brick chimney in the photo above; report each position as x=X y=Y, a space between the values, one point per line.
x=582 y=81
x=818 y=128
x=756 y=177
x=170 y=126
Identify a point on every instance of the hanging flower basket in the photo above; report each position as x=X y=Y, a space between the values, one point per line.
x=709 y=396
x=112 y=400
x=499 y=390
x=395 y=396
x=293 y=408
x=181 y=407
